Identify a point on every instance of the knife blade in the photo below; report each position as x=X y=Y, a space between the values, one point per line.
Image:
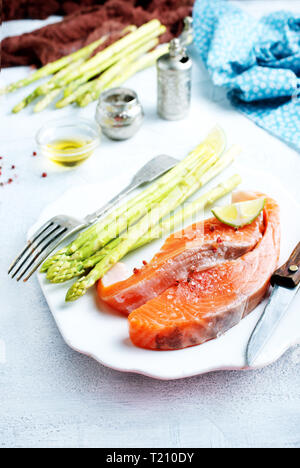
x=286 y=282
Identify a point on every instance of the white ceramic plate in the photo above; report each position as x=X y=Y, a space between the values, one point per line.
x=102 y=334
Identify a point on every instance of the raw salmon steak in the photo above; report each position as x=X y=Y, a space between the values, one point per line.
x=199 y=247
x=207 y=303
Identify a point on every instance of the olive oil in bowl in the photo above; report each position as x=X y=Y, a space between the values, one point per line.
x=70 y=142
x=69 y=153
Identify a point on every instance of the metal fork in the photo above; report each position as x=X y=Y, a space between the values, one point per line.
x=59 y=228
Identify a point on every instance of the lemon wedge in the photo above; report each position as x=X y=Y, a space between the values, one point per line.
x=240 y=214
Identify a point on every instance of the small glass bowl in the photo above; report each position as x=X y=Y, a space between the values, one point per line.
x=68 y=142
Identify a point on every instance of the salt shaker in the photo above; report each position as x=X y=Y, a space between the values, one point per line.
x=119 y=113
x=174 y=72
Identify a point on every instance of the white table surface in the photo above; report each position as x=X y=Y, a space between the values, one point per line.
x=50 y=396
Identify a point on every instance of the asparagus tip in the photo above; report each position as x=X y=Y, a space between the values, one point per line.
x=76 y=291
x=60 y=255
x=61 y=272
x=18 y=108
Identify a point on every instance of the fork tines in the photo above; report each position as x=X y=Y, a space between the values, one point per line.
x=41 y=244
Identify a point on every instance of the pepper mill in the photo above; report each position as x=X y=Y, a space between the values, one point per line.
x=187 y=36
x=174 y=72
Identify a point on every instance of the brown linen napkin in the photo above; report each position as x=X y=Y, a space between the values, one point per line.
x=87 y=22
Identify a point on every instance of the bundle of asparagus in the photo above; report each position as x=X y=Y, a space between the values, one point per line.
x=143 y=218
x=81 y=77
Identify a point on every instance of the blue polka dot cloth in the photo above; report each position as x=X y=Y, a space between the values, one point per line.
x=257 y=61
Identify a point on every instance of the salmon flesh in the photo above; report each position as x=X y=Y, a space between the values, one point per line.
x=203 y=282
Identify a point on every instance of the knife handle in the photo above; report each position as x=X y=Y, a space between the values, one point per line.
x=288 y=275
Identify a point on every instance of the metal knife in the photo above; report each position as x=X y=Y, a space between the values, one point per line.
x=286 y=282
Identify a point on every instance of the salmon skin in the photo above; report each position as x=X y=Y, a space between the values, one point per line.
x=210 y=302
x=199 y=247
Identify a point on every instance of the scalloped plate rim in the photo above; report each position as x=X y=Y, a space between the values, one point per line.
x=142 y=371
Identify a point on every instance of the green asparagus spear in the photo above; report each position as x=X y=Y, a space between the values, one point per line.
x=175 y=198
x=25 y=102
x=115 y=48
x=65 y=76
x=47 y=87
x=101 y=233
x=111 y=227
x=55 y=275
x=217 y=168
x=74 y=85
x=187 y=212
x=43 y=103
x=221 y=164
x=59 y=77
x=117 y=227
x=53 y=67
x=79 y=288
x=110 y=73
x=69 y=90
x=131 y=69
x=213 y=144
